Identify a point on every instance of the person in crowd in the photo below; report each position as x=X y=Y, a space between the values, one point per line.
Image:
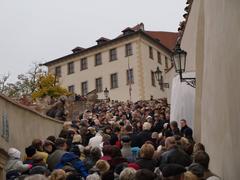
x=174 y=154
x=14 y=166
x=96 y=140
x=133 y=136
x=146 y=157
x=71 y=159
x=127 y=174
x=194 y=172
x=145 y=135
x=115 y=135
x=37 y=143
x=55 y=157
x=36 y=177
x=94 y=156
x=48 y=146
x=183 y=125
x=198 y=147
x=30 y=151
x=173 y=171
x=107 y=152
x=126 y=148
x=159 y=122
x=202 y=158
x=174 y=128
x=58 y=174
x=103 y=167
x=145 y=174
x=116 y=158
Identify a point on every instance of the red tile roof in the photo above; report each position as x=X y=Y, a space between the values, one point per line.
x=168 y=39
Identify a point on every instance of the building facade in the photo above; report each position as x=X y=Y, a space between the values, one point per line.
x=124 y=65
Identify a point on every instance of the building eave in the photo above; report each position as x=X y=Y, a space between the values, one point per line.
x=84 y=51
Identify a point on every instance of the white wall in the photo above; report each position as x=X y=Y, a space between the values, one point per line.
x=214 y=42
x=182 y=101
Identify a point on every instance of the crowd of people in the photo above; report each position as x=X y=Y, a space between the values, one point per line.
x=116 y=141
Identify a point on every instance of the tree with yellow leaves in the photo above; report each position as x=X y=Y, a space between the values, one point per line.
x=47 y=86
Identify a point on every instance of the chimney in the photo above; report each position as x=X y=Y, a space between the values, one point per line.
x=141 y=26
x=102 y=40
x=77 y=49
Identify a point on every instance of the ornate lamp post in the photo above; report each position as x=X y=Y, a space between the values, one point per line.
x=159 y=78
x=106 y=93
x=179 y=61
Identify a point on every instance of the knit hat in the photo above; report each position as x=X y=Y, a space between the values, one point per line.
x=14 y=153
x=172 y=170
x=103 y=166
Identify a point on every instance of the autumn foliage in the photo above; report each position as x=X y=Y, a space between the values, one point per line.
x=47 y=86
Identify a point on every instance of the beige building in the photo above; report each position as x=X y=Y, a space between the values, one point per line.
x=212 y=40
x=123 y=65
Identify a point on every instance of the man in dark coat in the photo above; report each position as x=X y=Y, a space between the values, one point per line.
x=145 y=135
x=56 y=156
x=184 y=126
x=174 y=154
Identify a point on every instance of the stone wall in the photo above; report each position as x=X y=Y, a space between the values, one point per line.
x=19 y=125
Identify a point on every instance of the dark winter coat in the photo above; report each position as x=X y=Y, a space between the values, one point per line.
x=76 y=163
x=149 y=164
x=175 y=155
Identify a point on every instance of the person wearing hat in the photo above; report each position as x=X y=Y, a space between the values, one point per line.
x=48 y=146
x=14 y=163
x=173 y=171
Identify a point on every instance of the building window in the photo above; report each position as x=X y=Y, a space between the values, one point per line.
x=84 y=88
x=153 y=79
x=83 y=64
x=128 y=49
x=114 y=81
x=159 y=57
x=98 y=59
x=130 y=79
x=71 y=89
x=150 y=52
x=113 y=54
x=71 y=68
x=166 y=62
x=58 y=72
x=99 y=85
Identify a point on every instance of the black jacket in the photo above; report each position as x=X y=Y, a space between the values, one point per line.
x=147 y=164
x=142 y=137
x=176 y=156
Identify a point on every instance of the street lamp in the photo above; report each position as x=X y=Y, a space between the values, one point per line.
x=179 y=61
x=106 y=93
x=159 y=78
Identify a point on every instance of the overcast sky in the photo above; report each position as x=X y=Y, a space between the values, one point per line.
x=42 y=30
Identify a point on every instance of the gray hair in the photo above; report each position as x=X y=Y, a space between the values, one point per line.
x=127 y=174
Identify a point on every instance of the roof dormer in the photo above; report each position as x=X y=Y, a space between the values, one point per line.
x=77 y=49
x=102 y=40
